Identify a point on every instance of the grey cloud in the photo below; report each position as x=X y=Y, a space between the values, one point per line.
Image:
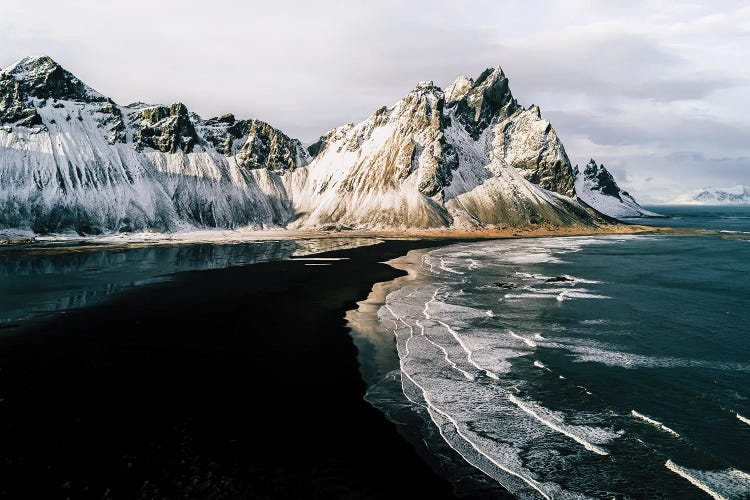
x=635 y=85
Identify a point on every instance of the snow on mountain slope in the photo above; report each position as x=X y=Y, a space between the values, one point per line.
x=597 y=188
x=735 y=195
x=73 y=160
x=472 y=159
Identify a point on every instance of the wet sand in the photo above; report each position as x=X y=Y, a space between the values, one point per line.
x=234 y=383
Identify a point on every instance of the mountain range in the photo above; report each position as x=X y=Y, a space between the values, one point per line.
x=735 y=195
x=469 y=157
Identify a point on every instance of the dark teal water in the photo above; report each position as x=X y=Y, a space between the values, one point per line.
x=52 y=277
x=603 y=367
x=717 y=218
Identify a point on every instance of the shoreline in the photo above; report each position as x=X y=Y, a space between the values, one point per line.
x=132 y=369
x=49 y=244
x=379 y=360
x=224 y=382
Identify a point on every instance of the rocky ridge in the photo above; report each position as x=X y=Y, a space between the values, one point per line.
x=597 y=188
x=735 y=195
x=72 y=159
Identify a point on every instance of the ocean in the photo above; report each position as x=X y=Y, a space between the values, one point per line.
x=600 y=367
x=51 y=277
x=612 y=366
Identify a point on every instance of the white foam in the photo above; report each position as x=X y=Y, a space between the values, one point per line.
x=469 y=352
x=594 y=322
x=539 y=337
x=720 y=485
x=526 y=341
x=320 y=258
x=466 y=374
x=528 y=296
x=446 y=268
x=573 y=294
x=594 y=353
x=655 y=423
x=556 y=426
x=541 y=365
x=489 y=313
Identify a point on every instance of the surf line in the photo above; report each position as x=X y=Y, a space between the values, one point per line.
x=431 y=406
x=526 y=341
x=444 y=267
x=693 y=480
x=469 y=353
x=742 y=419
x=445 y=353
x=555 y=427
x=655 y=423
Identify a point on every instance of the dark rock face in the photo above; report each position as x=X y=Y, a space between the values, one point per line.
x=254 y=143
x=43 y=78
x=558 y=279
x=113 y=121
x=487 y=98
x=317 y=146
x=602 y=180
x=166 y=129
x=13 y=107
x=222 y=132
x=267 y=147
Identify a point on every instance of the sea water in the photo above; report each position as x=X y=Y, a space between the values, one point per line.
x=613 y=366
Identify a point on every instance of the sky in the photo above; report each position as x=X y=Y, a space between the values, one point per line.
x=657 y=91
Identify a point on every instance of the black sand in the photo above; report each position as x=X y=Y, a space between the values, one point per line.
x=231 y=383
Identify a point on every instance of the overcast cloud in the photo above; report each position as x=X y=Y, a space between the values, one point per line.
x=659 y=92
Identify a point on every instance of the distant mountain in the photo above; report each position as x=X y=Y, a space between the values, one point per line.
x=735 y=195
x=72 y=159
x=597 y=188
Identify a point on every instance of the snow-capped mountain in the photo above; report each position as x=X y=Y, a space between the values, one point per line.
x=597 y=188
x=735 y=195
x=72 y=159
x=467 y=157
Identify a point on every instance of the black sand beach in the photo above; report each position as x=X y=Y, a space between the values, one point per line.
x=232 y=383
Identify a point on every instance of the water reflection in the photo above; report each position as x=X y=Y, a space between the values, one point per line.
x=38 y=280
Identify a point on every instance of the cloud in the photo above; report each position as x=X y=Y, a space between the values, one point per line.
x=641 y=85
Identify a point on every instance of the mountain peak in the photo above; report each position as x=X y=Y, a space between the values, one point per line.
x=458 y=88
x=478 y=102
x=44 y=78
x=733 y=195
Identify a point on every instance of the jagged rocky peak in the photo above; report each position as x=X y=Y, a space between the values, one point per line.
x=165 y=128
x=597 y=188
x=43 y=78
x=254 y=143
x=268 y=147
x=601 y=179
x=530 y=144
x=477 y=103
x=458 y=89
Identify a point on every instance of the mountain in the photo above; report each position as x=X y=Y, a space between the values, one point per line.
x=71 y=159
x=735 y=195
x=597 y=188
x=467 y=157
